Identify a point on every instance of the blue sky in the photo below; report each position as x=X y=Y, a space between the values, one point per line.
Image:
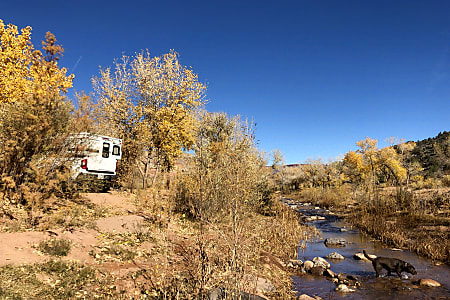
x=316 y=76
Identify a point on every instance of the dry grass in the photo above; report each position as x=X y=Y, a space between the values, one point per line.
x=55 y=280
x=339 y=196
x=168 y=255
x=193 y=258
x=417 y=221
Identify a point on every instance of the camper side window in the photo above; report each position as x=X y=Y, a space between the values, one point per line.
x=116 y=150
x=105 y=152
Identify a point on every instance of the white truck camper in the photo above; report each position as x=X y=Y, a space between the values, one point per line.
x=96 y=156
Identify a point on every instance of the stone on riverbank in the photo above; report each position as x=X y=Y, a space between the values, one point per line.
x=335 y=255
x=429 y=283
x=295 y=263
x=219 y=293
x=262 y=285
x=307 y=297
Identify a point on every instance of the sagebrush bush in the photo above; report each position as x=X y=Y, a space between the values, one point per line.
x=55 y=247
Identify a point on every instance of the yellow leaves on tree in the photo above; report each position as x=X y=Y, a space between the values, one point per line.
x=390 y=160
x=150 y=103
x=25 y=71
x=354 y=167
x=33 y=119
x=371 y=162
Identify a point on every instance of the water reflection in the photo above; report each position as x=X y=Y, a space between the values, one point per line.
x=371 y=288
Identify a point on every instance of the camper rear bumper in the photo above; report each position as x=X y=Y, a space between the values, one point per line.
x=93 y=176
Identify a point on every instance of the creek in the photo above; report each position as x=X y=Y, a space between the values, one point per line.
x=388 y=287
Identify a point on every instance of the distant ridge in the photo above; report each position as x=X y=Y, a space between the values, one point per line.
x=434 y=154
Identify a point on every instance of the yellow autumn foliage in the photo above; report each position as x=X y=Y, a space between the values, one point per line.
x=389 y=158
x=150 y=102
x=25 y=71
x=34 y=116
x=354 y=169
x=371 y=162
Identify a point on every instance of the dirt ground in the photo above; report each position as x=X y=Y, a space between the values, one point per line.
x=126 y=238
x=20 y=247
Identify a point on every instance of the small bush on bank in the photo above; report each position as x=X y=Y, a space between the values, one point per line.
x=55 y=247
x=446 y=180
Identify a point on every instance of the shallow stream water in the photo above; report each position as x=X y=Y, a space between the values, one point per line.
x=389 y=287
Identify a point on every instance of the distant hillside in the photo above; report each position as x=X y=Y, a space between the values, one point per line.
x=434 y=154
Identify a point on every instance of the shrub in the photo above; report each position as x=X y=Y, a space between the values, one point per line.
x=446 y=180
x=55 y=247
x=225 y=187
x=432 y=183
x=226 y=170
x=33 y=124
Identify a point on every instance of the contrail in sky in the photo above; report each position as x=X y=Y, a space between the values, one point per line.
x=76 y=64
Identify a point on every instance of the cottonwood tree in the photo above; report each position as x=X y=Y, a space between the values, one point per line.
x=150 y=103
x=277 y=158
x=25 y=71
x=33 y=117
x=371 y=163
x=368 y=149
x=354 y=169
x=389 y=161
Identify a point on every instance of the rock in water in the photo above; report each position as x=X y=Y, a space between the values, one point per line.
x=317 y=270
x=344 y=289
x=319 y=261
x=352 y=277
x=305 y=297
x=335 y=255
x=429 y=283
x=335 y=242
x=329 y=273
x=361 y=256
x=308 y=265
